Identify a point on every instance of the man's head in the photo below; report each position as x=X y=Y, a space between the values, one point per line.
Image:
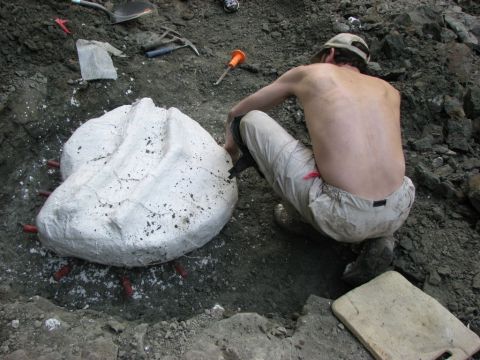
x=347 y=49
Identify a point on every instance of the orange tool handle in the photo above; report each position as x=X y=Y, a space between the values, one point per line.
x=238 y=57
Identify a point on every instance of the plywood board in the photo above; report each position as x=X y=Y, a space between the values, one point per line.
x=396 y=321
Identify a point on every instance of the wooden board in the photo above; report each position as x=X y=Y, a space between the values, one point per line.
x=396 y=321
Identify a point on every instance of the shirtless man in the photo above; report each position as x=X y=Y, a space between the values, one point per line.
x=352 y=187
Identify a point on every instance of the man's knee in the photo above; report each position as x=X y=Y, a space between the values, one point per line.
x=256 y=123
x=246 y=160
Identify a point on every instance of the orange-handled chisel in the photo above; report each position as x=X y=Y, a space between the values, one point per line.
x=238 y=57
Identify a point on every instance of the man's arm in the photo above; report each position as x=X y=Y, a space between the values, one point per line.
x=264 y=99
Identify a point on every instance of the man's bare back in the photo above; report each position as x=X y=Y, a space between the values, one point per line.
x=354 y=125
x=353 y=121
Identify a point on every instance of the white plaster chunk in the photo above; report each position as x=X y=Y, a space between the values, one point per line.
x=142 y=185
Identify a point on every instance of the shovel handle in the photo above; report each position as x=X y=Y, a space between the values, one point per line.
x=162 y=51
x=91 y=5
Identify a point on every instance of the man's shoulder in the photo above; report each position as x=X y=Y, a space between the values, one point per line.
x=318 y=70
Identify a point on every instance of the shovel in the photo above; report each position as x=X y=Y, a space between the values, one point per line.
x=124 y=12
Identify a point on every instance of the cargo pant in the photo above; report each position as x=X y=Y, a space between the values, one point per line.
x=289 y=167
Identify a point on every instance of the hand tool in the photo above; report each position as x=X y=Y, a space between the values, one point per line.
x=238 y=57
x=63 y=25
x=160 y=41
x=168 y=49
x=53 y=164
x=32 y=229
x=62 y=272
x=124 y=12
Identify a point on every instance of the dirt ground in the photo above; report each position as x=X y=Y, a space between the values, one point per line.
x=419 y=47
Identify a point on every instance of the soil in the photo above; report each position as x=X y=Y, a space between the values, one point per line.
x=252 y=265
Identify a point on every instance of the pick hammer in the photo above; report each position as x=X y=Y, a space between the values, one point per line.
x=168 y=49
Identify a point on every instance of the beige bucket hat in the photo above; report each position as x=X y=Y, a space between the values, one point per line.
x=344 y=41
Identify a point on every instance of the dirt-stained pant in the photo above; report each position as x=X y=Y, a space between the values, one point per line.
x=289 y=167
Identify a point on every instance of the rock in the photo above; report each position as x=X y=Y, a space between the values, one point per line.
x=448 y=35
x=450 y=191
x=453 y=107
x=459 y=131
x=116 y=326
x=471 y=102
x=245 y=336
x=430 y=21
x=345 y=4
x=455 y=22
x=444 y=270
x=423 y=144
x=435 y=131
x=187 y=14
x=437 y=162
x=474 y=191
x=339 y=27
x=437 y=213
x=471 y=163
x=444 y=150
x=139 y=335
x=393 y=46
x=406 y=243
x=435 y=104
x=443 y=171
x=52 y=324
x=424 y=19
x=434 y=278
x=374 y=67
x=459 y=60
x=427 y=178
x=15 y=324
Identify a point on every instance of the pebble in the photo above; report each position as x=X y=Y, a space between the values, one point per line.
x=437 y=162
x=116 y=326
x=453 y=306
x=444 y=270
x=15 y=323
x=407 y=244
x=280 y=331
x=339 y=27
x=434 y=278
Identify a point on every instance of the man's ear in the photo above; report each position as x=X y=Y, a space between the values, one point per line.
x=330 y=56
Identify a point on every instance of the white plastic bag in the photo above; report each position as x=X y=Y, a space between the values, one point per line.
x=142 y=185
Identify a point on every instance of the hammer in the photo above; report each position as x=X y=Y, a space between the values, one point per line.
x=168 y=49
x=161 y=40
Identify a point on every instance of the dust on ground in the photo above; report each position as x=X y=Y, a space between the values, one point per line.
x=252 y=265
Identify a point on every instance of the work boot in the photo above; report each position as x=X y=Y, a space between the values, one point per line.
x=230 y=5
x=374 y=259
x=289 y=219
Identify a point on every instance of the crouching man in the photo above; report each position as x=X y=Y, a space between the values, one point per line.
x=351 y=186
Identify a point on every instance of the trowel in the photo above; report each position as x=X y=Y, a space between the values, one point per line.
x=123 y=12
